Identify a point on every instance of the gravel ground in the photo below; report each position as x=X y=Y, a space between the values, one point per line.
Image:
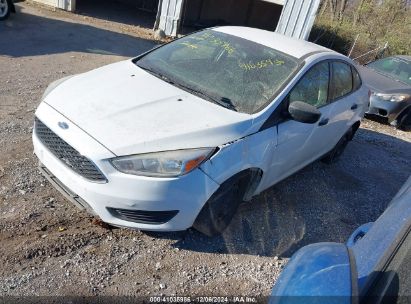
x=48 y=247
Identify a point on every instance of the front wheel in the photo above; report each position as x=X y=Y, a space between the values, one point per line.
x=5 y=8
x=219 y=210
x=405 y=123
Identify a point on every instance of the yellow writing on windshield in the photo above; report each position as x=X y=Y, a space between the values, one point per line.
x=192 y=46
x=214 y=40
x=260 y=64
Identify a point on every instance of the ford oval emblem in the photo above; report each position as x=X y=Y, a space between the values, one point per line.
x=63 y=125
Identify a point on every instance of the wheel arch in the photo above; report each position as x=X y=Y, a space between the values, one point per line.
x=406 y=111
x=254 y=176
x=231 y=193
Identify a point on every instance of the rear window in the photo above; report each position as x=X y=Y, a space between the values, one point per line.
x=356 y=79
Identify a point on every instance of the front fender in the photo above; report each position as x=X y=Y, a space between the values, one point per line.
x=251 y=152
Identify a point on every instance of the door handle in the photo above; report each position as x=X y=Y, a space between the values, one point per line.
x=354 y=106
x=323 y=122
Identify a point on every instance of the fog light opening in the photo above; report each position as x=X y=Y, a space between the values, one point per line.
x=382 y=112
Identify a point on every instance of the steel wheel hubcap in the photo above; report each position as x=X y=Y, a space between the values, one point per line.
x=3 y=8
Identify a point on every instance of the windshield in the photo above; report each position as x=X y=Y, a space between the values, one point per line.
x=394 y=67
x=233 y=72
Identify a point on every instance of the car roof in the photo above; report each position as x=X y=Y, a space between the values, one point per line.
x=295 y=47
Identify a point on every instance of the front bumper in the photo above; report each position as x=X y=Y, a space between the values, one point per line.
x=186 y=194
x=388 y=109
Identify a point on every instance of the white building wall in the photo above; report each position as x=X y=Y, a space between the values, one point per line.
x=297 y=18
x=68 y=5
x=169 y=16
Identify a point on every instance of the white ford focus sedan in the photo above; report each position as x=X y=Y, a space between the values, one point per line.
x=181 y=135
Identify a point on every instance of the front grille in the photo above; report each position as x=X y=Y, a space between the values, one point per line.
x=143 y=217
x=67 y=154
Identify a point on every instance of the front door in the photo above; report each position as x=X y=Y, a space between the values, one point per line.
x=301 y=143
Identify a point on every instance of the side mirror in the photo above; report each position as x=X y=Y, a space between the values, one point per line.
x=318 y=273
x=304 y=112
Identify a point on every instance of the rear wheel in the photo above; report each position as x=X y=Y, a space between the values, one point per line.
x=5 y=8
x=219 y=210
x=339 y=148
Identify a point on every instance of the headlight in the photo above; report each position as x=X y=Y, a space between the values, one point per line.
x=392 y=97
x=54 y=85
x=162 y=164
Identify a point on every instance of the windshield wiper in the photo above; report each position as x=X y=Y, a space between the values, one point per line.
x=157 y=74
x=222 y=101
x=226 y=102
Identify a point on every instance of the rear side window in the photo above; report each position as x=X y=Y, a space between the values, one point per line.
x=356 y=79
x=342 y=82
x=313 y=86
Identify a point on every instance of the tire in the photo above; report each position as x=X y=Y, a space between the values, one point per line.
x=5 y=8
x=405 y=122
x=219 y=210
x=333 y=156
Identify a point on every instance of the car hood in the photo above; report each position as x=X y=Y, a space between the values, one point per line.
x=382 y=84
x=131 y=111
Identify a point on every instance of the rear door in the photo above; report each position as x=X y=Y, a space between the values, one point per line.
x=345 y=98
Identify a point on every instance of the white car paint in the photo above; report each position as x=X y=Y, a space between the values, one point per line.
x=292 y=46
x=120 y=110
x=122 y=100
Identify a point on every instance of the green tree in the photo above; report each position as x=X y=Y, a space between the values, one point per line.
x=377 y=22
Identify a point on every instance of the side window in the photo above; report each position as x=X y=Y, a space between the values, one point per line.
x=313 y=86
x=341 y=80
x=356 y=79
